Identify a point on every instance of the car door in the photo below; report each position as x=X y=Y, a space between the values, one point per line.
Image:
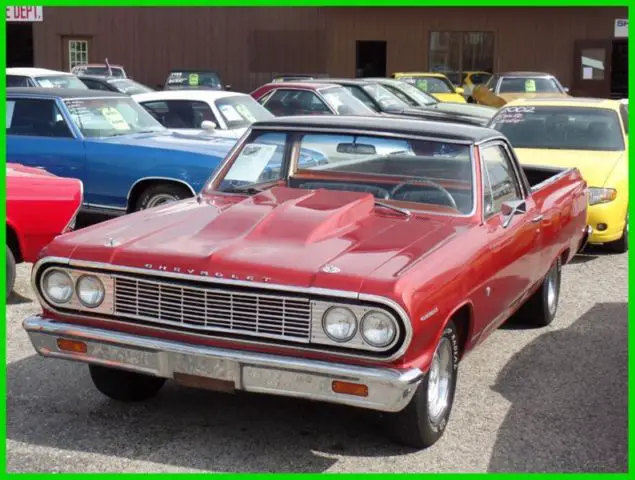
x=513 y=241
x=39 y=135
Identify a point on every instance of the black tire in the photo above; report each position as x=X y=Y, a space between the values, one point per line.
x=414 y=426
x=621 y=245
x=125 y=386
x=160 y=193
x=10 y=272
x=541 y=308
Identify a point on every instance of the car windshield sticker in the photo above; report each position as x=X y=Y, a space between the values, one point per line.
x=514 y=114
x=244 y=111
x=252 y=161
x=423 y=85
x=530 y=86
x=115 y=118
x=192 y=79
x=230 y=113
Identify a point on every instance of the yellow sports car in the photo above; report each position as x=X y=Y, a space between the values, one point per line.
x=502 y=88
x=436 y=84
x=588 y=133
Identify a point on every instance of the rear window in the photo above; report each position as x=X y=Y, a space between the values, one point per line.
x=529 y=85
x=193 y=79
x=560 y=128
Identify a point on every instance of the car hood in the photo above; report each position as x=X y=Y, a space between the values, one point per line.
x=175 y=141
x=284 y=236
x=595 y=166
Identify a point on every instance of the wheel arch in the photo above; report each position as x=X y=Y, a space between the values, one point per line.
x=143 y=183
x=13 y=242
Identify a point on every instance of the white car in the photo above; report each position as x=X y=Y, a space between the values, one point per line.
x=43 y=78
x=204 y=112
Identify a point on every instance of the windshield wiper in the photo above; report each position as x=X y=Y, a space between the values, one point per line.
x=248 y=189
x=403 y=211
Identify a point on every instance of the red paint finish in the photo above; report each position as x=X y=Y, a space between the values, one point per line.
x=39 y=207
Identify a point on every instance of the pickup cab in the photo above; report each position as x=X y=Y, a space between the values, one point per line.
x=362 y=278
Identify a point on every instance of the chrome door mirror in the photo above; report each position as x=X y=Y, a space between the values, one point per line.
x=510 y=209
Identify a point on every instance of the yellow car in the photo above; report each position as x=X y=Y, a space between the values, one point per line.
x=435 y=84
x=471 y=80
x=502 y=88
x=588 y=133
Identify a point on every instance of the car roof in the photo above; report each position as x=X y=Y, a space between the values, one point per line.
x=97 y=65
x=582 y=102
x=61 y=92
x=34 y=72
x=525 y=74
x=306 y=85
x=205 y=95
x=442 y=130
x=422 y=74
x=341 y=81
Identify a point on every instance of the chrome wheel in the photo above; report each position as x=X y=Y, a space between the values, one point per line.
x=440 y=381
x=161 y=199
x=552 y=290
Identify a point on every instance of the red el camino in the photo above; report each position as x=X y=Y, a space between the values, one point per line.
x=40 y=206
x=362 y=277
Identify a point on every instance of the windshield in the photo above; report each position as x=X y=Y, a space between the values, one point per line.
x=193 y=79
x=343 y=101
x=130 y=87
x=111 y=116
x=383 y=96
x=241 y=111
x=419 y=97
x=408 y=173
x=562 y=128
x=529 y=85
x=430 y=84
x=60 y=81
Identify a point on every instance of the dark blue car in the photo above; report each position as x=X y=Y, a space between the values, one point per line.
x=125 y=158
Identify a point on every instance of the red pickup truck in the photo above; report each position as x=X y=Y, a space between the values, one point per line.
x=342 y=259
x=40 y=206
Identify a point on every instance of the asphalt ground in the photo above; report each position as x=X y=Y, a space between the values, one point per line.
x=552 y=399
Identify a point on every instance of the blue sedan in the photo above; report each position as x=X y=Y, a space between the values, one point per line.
x=126 y=160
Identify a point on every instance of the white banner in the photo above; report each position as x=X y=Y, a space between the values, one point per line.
x=25 y=14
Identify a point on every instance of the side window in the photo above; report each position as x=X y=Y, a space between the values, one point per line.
x=362 y=96
x=17 y=81
x=36 y=118
x=500 y=183
x=275 y=102
x=624 y=115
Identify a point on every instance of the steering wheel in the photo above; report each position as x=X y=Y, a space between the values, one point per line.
x=442 y=189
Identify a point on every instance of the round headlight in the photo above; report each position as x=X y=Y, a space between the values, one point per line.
x=378 y=329
x=339 y=324
x=57 y=286
x=90 y=291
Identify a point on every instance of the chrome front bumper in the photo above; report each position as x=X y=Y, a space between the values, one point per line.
x=389 y=390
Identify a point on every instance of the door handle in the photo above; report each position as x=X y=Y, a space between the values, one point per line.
x=537 y=219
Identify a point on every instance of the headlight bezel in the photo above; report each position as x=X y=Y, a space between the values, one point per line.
x=86 y=277
x=355 y=327
x=49 y=272
x=390 y=318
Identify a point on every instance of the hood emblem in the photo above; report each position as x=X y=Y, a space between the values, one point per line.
x=330 y=268
x=111 y=242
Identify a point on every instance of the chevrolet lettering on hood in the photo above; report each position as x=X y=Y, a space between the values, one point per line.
x=205 y=273
x=331 y=258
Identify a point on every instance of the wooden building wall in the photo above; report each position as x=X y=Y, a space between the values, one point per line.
x=248 y=45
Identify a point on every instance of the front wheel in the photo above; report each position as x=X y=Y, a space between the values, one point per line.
x=423 y=421
x=123 y=385
x=159 y=194
x=11 y=272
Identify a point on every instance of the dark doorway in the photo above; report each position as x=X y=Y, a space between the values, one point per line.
x=619 y=69
x=370 y=58
x=20 y=44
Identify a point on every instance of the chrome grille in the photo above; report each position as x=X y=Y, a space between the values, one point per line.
x=213 y=309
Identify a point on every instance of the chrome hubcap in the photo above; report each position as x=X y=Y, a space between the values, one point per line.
x=160 y=199
x=552 y=291
x=439 y=381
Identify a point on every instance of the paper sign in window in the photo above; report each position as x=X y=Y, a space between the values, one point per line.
x=193 y=79
x=115 y=118
x=251 y=163
x=422 y=85
x=530 y=86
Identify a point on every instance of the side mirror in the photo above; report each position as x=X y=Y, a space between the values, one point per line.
x=228 y=87
x=208 y=125
x=566 y=89
x=511 y=208
x=459 y=90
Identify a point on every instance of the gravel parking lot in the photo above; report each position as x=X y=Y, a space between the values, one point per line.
x=553 y=399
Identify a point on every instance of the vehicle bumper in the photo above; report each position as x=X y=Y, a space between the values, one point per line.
x=612 y=216
x=388 y=389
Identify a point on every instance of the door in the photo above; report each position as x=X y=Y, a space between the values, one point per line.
x=370 y=58
x=39 y=136
x=592 y=68
x=513 y=247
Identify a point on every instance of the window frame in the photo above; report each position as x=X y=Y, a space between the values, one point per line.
x=72 y=42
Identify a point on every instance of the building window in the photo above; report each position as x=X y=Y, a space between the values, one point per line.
x=77 y=53
x=454 y=53
x=592 y=60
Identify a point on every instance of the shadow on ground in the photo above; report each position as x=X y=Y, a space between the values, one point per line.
x=568 y=394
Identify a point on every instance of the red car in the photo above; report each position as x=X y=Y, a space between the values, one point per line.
x=306 y=98
x=40 y=206
x=360 y=278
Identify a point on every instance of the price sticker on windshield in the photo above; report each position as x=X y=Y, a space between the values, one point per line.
x=530 y=86
x=244 y=111
x=115 y=118
x=423 y=85
x=192 y=79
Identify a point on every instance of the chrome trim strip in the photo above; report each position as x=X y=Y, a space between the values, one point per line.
x=389 y=389
x=551 y=179
x=351 y=295
x=104 y=207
